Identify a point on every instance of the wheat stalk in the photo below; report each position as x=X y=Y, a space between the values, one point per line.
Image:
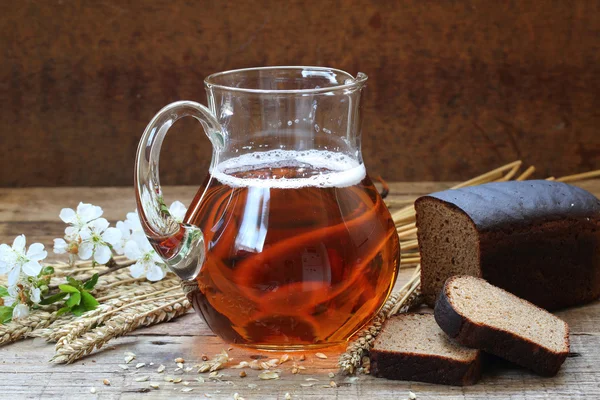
x=18 y=329
x=119 y=325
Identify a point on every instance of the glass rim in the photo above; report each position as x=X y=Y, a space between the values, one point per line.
x=357 y=81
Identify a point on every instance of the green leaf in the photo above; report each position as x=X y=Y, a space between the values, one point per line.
x=54 y=298
x=89 y=285
x=74 y=282
x=48 y=270
x=68 y=289
x=63 y=310
x=74 y=300
x=3 y=291
x=78 y=310
x=88 y=301
x=5 y=314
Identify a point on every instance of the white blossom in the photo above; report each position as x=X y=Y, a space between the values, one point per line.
x=119 y=247
x=20 y=311
x=15 y=259
x=177 y=211
x=13 y=296
x=35 y=295
x=148 y=262
x=79 y=219
x=97 y=239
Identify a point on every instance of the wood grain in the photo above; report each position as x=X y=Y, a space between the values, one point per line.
x=456 y=88
x=25 y=372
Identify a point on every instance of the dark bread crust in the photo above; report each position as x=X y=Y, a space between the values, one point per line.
x=507 y=205
x=533 y=237
x=431 y=369
x=507 y=345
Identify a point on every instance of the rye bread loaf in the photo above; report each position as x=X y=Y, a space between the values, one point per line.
x=482 y=316
x=412 y=347
x=537 y=239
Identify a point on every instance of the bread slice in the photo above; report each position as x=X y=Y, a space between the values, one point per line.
x=482 y=316
x=412 y=347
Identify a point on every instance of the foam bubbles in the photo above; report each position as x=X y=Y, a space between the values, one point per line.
x=342 y=170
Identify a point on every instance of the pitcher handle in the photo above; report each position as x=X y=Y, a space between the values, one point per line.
x=180 y=245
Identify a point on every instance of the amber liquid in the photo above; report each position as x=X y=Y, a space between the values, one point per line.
x=292 y=267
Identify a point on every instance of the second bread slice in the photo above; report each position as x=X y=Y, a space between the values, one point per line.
x=412 y=347
x=482 y=316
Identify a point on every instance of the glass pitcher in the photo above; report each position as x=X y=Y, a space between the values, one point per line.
x=287 y=244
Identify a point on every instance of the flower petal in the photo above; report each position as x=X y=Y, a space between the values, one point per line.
x=19 y=244
x=132 y=250
x=14 y=275
x=85 y=233
x=133 y=221
x=125 y=231
x=20 y=311
x=177 y=211
x=67 y=215
x=36 y=252
x=102 y=254
x=71 y=233
x=155 y=273
x=35 y=295
x=86 y=249
x=88 y=212
x=112 y=236
x=99 y=225
x=60 y=246
x=32 y=268
x=138 y=269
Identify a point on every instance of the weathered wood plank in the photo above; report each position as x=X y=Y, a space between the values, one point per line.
x=24 y=372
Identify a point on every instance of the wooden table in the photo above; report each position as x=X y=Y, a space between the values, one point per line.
x=26 y=373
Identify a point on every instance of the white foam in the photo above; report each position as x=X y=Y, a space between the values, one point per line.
x=342 y=170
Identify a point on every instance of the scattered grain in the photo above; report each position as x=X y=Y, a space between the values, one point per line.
x=129 y=359
x=242 y=374
x=204 y=357
x=180 y=365
x=302 y=357
x=177 y=380
x=268 y=375
x=321 y=355
x=186 y=383
x=93 y=390
x=168 y=379
x=186 y=390
x=411 y=395
x=332 y=384
x=142 y=378
x=288 y=396
x=161 y=369
x=284 y=358
x=331 y=375
x=200 y=379
x=123 y=366
x=106 y=382
x=154 y=385
x=140 y=365
x=179 y=360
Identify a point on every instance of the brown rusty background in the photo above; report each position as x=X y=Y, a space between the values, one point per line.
x=456 y=87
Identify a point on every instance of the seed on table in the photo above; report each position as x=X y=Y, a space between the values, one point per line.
x=140 y=365
x=187 y=389
x=302 y=357
x=177 y=380
x=106 y=382
x=242 y=374
x=333 y=384
x=179 y=360
x=123 y=366
x=321 y=355
x=411 y=395
x=93 y=390
x=154 y=385
x=331 y=375
x=161 y=369
x=142 y=379
x=204 y=357
x=288 y=396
